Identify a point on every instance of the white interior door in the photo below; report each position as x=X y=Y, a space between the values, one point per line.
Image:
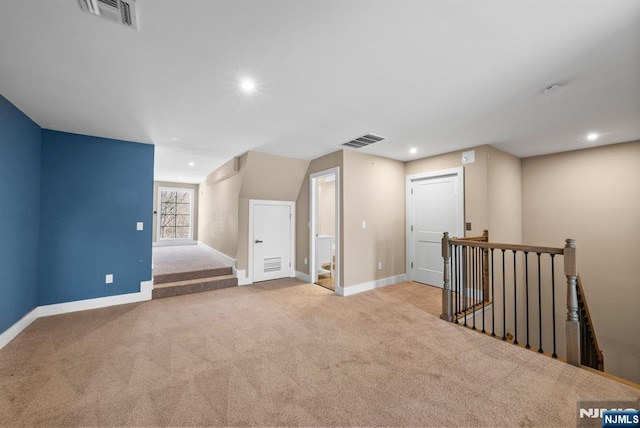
x=272 y=240
x=436 y=208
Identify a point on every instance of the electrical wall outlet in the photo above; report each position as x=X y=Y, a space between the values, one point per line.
x=306 y=261
x=379 y=265
x=364 y=224
x=108 y=278
x=139 y=225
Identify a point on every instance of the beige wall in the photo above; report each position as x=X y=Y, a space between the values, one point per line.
x=266 y=177
x=504 y=197
x=218 y=213
x=158 y=184
x=327 y=208
x=373 y=191
x=593 y=196
x=331 y=160
x=492 y=185
x=475 y=183
x=224 y=198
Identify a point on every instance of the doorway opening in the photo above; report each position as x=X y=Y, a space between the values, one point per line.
x=324 y=264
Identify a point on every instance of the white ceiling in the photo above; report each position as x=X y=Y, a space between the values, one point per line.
x=437 y=75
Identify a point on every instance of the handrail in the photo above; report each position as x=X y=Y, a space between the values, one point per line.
x=498 y=246
x=446 y=297
x=470 y=280
x=482 y=238
x=592 y=336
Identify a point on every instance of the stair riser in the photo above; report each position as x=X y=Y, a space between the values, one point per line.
x=194 y=288
x=183 y=276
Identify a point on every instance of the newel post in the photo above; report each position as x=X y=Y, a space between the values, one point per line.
x=573 y=320
x=446 y=289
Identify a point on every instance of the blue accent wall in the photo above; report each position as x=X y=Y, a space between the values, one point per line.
x=94 y=190
x=20 y=208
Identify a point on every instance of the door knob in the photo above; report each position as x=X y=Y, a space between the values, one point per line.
x=258 y=241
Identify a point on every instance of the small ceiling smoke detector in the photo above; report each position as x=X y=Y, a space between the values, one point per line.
x=120 y=11
x=413 y=150
x=363 y=141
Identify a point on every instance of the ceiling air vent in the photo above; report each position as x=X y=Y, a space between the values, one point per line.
x=120 y=11
x=364 y=141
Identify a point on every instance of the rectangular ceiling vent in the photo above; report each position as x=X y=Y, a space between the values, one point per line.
x=120 y=11
x=364 y=141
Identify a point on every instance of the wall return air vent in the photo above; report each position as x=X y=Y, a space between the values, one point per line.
x=120 y=11
x=364 y=141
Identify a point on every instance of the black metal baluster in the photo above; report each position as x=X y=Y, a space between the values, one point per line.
x=459 y=273
x=473 y=287
x=455 y=279
x=515 y=301
x=482 y=296
x=553 y=303
x=493 y=300
x=465 y=275
x=504 y=302
x=583 y=336
x=539 y=307
x=526 y=285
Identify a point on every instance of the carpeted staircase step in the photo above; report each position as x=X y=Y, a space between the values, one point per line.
x=194 y=274
x=195 y=285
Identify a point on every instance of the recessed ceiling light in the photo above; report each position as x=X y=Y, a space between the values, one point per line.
x=247 y=86
x=592 y=136
x=191 y=164
x=413 y=150
x=180 y=178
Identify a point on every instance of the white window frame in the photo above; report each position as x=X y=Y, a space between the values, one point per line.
x=174 y=241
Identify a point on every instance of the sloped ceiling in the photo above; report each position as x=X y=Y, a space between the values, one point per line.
x=437 y=75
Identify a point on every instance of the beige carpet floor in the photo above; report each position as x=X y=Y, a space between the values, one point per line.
x=184 y=258
x=282 y=353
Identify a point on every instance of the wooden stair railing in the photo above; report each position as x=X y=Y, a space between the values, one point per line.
x=483 y=270
x=478 y=273
x=590 y=355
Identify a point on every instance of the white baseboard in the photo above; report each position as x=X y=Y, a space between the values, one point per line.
x=227 y=259
x=146 y=289
x=303 y=276
x=241 y=274
x=372 y=285
x=174 y=243
x=143 y=295
x=17 y=328
x=99 y=302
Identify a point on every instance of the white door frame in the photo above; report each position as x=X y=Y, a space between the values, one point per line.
x=313 y=202
x=292 y=205
x=459 y=172
x=174 y=241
